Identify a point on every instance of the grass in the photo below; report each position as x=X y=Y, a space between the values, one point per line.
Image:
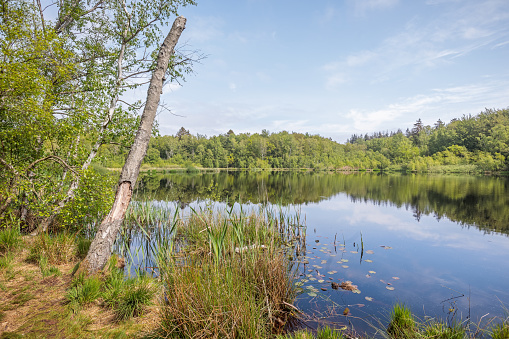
x=238 y=298
x=321 y=333
x=402 y=323
x=501 y=330
x=57 y=249
x=226 y=273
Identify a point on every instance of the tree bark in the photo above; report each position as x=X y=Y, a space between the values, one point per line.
x=100 y=249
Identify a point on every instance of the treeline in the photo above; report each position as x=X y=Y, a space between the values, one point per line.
x=468 y=144
x=479 y=202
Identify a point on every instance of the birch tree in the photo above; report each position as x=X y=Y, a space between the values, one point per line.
x=65 y=84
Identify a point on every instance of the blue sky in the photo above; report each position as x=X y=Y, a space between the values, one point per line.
x=336 y=68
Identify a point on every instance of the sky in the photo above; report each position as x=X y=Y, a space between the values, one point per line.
x=336 y=68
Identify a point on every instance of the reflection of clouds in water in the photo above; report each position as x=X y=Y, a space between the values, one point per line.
x=446 y=233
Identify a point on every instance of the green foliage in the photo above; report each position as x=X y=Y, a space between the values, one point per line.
x=57 y=249
x=500 y=331
x=91 y=203
x=435 y=329
x=321 y=333
x=136 y=295
x=402 y=323
x=83 y=292
x=457 y=143
x=60 y=87
x=10 y=239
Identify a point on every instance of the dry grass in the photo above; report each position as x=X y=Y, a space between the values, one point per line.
x=33 y=306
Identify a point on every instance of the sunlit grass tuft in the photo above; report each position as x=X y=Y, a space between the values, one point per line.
x=402 y=323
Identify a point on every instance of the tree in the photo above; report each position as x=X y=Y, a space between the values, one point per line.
x=63 y=87
x=100 y=249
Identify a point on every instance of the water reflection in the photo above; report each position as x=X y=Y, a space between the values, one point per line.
x=471 y=201
x=436 y=243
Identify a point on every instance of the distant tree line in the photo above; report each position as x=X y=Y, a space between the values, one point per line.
x=471 y=143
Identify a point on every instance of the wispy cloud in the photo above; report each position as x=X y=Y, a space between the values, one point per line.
x=362 y=6
x=204 y=29
x=456 y=32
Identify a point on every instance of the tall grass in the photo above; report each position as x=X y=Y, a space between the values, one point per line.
x=226 y=272
x=10 y=239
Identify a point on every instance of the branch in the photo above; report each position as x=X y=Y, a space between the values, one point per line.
x=54 y=158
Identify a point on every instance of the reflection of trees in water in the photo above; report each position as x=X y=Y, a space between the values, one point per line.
x=482 y=202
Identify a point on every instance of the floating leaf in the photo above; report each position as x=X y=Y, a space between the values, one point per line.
x=332 y=255
x=390 y=288
x=395 y=278
x=344 y=260
x=323 y=262
x=299 y=283
x=368 y=298
x=305 y=262
x=383 y=281
x=304 y=280
x=370 y=252
x=312 y=294
x=367 y=260
x=344 y=266
x=317 y=241
x=372 y=272
x=357 y=291
x=323 y=289
x=332 y=272
x=346 y=311
x=321 y=281
x=354 y=252
x=299 y=290
x=368 y=276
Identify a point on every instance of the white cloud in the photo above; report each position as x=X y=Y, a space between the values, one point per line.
x=360 y=58
x=334 y=80
x=232 y=86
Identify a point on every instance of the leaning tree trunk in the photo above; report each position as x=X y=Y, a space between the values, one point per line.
x=100 y=249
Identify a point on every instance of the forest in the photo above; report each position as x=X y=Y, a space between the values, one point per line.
x=471 y=143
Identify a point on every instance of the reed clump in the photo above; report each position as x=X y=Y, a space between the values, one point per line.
x=226 y=272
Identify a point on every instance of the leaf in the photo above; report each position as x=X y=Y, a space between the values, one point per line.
x=321 y=281
x=354 y=252
x=367 y=260
x=323 y=289
x=390 y=288
x=369 y=252
x=372 y=272
x=312 y=294
x=344 y=260
x=368 y=298
x=395 y=278
x=323 y=262
x=344 y=266
x=332 y=272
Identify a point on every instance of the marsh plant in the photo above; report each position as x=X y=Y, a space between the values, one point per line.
x=226 y=273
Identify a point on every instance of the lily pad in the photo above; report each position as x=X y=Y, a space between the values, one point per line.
x=332 y=272
x=321 y=281
x=312 y=294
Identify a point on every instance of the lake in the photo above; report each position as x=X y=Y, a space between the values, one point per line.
x=439 y=244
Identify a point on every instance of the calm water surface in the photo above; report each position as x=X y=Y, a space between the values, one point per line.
x=436 y=243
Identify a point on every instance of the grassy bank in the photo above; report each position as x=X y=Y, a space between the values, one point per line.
x=217 y=273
